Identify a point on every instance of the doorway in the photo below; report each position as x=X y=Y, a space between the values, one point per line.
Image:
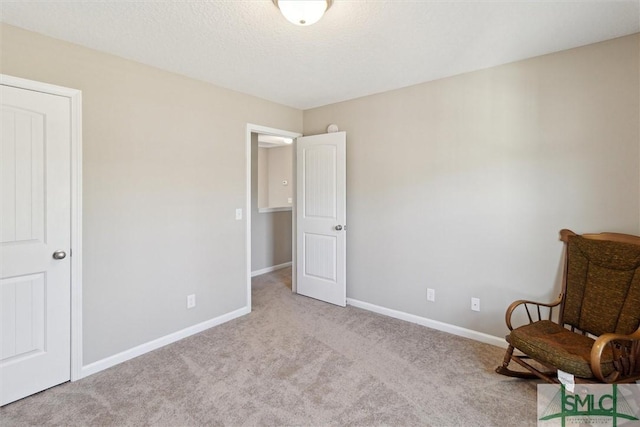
x=271 y=203
x=270 y=220
x=318 y=223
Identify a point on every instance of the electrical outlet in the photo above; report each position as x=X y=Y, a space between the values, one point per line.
x=475 y=304
x=191 y=301
x=431 y=294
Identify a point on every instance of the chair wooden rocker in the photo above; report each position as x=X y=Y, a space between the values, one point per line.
x=592 y=330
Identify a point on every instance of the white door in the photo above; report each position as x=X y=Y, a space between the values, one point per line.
x=34 y=230
x=321 y=216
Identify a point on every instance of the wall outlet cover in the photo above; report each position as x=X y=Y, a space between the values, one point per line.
x=431 y=294
x=191 y=301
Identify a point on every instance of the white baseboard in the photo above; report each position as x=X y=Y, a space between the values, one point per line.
x=270 y=269
x=434 y=324
x=116 y=359
x=108 y=362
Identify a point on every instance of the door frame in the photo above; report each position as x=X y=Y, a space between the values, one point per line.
x=75 y=102
x=253 y=128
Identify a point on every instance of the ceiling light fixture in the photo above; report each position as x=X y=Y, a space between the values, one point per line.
x=303 y=12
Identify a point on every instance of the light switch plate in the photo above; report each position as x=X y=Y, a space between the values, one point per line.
x=239 y=213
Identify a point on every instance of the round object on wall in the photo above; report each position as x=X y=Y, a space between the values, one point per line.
x=332 y=128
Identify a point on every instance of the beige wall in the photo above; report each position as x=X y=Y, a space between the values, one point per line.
x=164 y=169
x=271 y=233
x=280 y=169
x=462 y=184
x=459 y=184
x=275 y=165
x=262 y=173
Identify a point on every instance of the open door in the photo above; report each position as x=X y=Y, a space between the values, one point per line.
x=321 y=217
x=35 y=240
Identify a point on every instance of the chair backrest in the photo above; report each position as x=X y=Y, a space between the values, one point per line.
x=602 y=282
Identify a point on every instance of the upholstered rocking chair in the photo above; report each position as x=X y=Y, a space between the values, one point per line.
x=592 y=331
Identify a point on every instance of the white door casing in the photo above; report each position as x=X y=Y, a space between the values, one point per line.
x=321 y=217
x=36 y=221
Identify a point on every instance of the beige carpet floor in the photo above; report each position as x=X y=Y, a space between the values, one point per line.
x=295 y=361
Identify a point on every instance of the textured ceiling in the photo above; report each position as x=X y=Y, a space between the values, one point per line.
x=359 y=48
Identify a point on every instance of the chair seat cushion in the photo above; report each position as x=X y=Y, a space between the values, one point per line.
x=551 y=344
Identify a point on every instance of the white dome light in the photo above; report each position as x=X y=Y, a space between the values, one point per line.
x=303 y=12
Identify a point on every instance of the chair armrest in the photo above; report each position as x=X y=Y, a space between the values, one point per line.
x=633 y=355
x=518 y=303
